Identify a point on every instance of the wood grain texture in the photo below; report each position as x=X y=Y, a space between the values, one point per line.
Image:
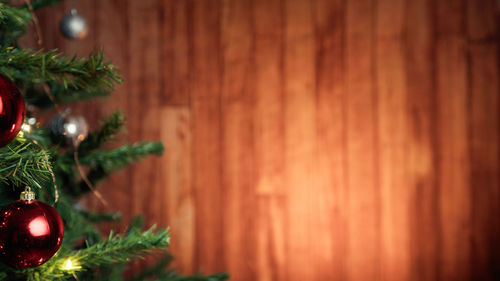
x=308 y=140
x=178 y=209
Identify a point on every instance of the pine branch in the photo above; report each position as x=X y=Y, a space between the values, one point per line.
x=35 y=95
x=38 y=4
x=116 y=249
x=13 y=22
x=84 y=75
x=23 y=163
x=41 y=135
x=77 y=224
x=118 y=158
x=107 y=131
x=17 y=16
x=15 y=19
x=101 y=164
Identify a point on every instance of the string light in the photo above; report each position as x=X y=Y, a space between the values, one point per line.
x=25 y=127
x=69 y=265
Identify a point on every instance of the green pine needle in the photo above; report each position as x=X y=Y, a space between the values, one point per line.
x=116 y=249
x=118 y=158
x=35 y=95
x=37 y=4
x=13 y=22
x=108 y=130
x=17 y=16
x=23 y=163
x=85 y=75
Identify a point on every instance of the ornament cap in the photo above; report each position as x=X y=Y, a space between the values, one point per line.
x=27 y=194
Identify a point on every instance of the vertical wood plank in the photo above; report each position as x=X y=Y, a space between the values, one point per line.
x=362 y=178
x=392 y=140
x=271 y=252
x=483 y=75
x=143 y=120
x=300 y=136
x=175 y=53
x=331 y=195
x=179 y=208
x=111 y=21
x=269 y=140
x=114 y=28
x=484 y=161
x=453 y=166
x=237 y=99
x=239 y=195
x=482 y=23
x=206 y=116
x=420 y=81
x=144 y=77
x=453 y=159
x=269 y=96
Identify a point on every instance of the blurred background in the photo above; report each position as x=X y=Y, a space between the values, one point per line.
x=307 y=139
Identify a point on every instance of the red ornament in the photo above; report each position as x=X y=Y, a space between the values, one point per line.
x=31 y=232
x=11 y=110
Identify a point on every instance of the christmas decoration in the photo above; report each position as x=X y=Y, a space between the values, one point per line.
x=73 y=128
x=11 y=110
x=31 y=232
x=30 y=122
x=30 y=118
x=27 y=228
x=73 y=26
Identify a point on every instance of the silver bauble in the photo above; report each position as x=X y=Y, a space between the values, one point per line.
x=73 y=128
x=73 y=26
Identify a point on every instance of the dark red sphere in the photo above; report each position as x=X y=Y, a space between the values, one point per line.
x=30 y=233
x=11 y=110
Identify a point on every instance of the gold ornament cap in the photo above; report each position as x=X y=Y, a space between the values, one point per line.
x=27 y=194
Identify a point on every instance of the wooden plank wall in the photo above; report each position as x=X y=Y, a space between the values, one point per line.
x=309 y=139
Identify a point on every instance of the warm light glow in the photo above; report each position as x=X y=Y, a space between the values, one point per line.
x=26 y=127
x=39 y=227
x=69 y=265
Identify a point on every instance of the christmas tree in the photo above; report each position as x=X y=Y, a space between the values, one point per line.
x=53 y=164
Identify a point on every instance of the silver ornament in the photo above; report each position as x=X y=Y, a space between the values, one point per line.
x=73 y=128
x=73 y=26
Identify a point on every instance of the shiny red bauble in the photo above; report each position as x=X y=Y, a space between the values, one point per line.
x=31 y=232
x=11 y=110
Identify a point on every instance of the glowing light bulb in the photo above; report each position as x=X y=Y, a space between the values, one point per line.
x=26 y=127
x=69 y=265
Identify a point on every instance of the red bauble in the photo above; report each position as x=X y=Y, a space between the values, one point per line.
x=11 y=110
x=31 y=232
